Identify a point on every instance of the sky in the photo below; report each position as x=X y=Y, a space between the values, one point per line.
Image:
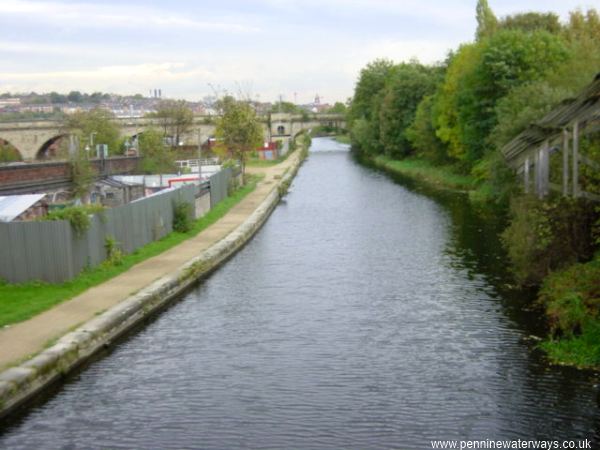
x=258 y=48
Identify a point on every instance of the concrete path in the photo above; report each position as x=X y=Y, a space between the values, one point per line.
x=20 y=341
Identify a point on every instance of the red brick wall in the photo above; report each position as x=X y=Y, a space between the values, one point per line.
x=15 y=175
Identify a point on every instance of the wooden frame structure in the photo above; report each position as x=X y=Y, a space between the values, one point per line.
x=558 y=131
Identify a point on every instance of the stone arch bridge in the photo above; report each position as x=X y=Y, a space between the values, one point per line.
x=33 y=138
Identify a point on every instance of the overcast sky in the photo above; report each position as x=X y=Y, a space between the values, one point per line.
x=265 y=48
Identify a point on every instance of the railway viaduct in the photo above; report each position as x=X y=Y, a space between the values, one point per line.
x=33 y=138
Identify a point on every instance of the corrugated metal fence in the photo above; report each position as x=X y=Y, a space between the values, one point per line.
x=219 y=186
x=52 y=251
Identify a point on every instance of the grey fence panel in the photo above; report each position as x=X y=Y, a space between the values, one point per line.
x=219 y=186
x=6 y=268
x=35 y=251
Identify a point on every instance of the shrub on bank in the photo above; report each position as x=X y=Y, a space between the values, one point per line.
x=548 y=235
x=571 y=299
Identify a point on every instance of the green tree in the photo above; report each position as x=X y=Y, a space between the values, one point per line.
x=175 y=118
x=483 y=73
x=57 y=98
x=82 y=175
x=532 y=21
x=157 y=158
x=523 y=106
x=98 y=123
x=486 y=20
x=445 y=109
x=404 y=91
x=338 y=108
x=422 y=135
x=285 y=107
x=75 y=97
x=238 y=130
x=366 y=104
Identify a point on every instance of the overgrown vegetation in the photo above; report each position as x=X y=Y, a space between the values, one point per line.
x=544 y=236
x=446 y=123
x=8 y=153
x=82 y=175
x=571 y=299
x=77 y=216
x=182 y=217
x=114 y=255
x=20 y=302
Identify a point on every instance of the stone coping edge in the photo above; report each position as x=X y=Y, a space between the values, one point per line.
x=22 y=383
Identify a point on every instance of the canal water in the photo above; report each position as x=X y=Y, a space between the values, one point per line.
x=364 y=315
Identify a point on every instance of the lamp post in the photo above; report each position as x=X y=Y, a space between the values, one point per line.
x=92 y=134
x=199 y=158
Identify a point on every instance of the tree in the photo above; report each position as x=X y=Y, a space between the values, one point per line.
x=238 y=130
x=98 y=123
x=75 y=97
x=421 y=133
x=156 y=156
x=82 y=174
x=486 y=20
x=57 y=98
x=338 y=108
x=175 y=118
x=363 y=112
x=404 y=91
x=523 y=106
x=480 y=75
x=285 y=107
x=532 y=21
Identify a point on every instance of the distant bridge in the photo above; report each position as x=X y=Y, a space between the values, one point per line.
x=32 y=139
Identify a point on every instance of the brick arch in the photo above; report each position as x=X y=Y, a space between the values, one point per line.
x=49 y=148
x=9 y=152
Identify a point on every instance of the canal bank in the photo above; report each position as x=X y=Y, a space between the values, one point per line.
x=110 y=309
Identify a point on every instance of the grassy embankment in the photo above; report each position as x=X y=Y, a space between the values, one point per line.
x=20 y=302
x=421 y=170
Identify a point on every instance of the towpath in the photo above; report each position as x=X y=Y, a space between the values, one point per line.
x=21 y=341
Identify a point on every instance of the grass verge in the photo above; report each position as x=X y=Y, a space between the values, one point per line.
x=443 y=177
x=20 y=302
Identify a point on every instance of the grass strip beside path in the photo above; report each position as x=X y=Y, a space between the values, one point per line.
x=20 y=302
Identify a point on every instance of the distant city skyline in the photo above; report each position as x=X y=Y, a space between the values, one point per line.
x=264 y=48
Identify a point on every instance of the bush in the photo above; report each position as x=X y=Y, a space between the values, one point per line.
x=571 y=299
x=182 y=217
x=114 y=255
x=78 y=216
x=548 y=235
